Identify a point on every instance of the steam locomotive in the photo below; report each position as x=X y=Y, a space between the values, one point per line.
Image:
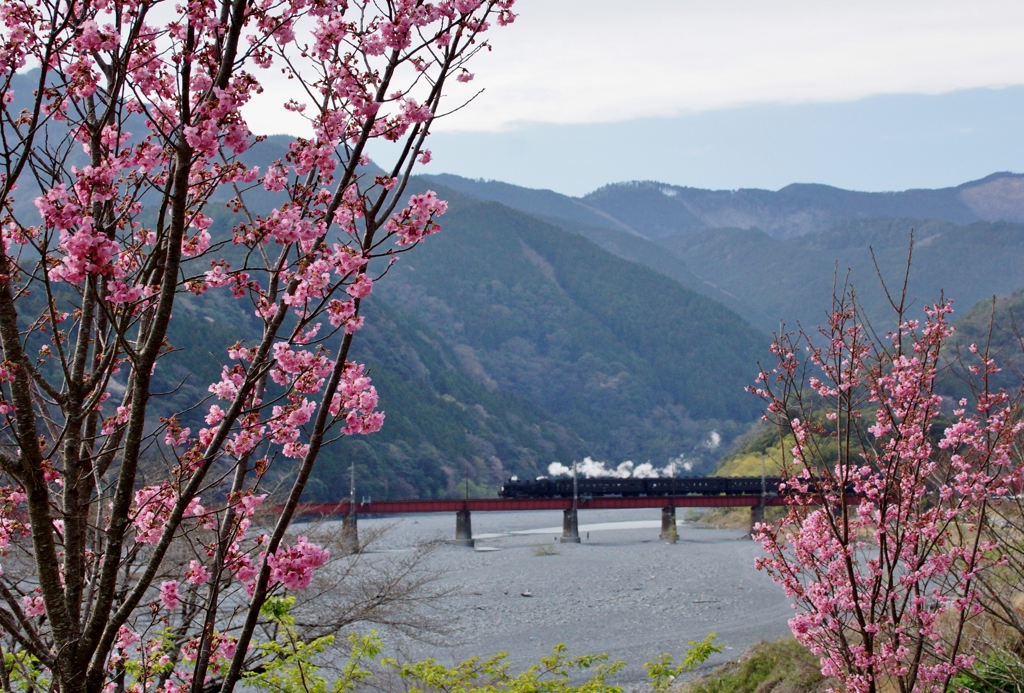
x=562 y=487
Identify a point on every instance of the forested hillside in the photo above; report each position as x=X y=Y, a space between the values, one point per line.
x=774 y=257
x=639 y=366
x=502 y=345
x=790 y=280
x=538 y=328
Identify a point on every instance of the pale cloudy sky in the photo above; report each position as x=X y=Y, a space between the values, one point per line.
x=586 y=61
x=865 y=94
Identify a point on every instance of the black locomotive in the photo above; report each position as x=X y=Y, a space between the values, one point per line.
x=562 y=486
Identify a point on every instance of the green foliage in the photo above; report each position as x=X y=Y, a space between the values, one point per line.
x=26 y=672
x=997 y=672
x=278 y=610
x=290 y=662
x=663 y=674
x=491 y=675
x=781 y=666
x=290 y=666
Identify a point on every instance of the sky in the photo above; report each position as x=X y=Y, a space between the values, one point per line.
x=869 y=95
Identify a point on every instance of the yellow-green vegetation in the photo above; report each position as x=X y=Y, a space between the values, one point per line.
x=663 y=673
x=747 y=460
x=765 y=445
x=780 y=666
x=292 y=667
x=737 y=518
x=544 y=550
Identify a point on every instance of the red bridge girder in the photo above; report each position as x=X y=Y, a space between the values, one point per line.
x=401 y=507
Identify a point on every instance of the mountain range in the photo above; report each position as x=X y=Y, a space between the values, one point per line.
x=775 y=257
x=622 y=325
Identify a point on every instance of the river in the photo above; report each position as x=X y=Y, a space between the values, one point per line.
x=621 y=591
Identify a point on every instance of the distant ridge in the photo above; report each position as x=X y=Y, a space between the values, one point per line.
x=655 y=210
x=773 y=255
x=658 y=210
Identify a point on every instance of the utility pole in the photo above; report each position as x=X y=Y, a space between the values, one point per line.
x=764 y=488
x=575 y=490
x=757 y=512
x=349 y=523
x=570 y=520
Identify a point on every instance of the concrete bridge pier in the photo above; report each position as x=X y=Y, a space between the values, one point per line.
x=350 y=531
x=463 y=529
x=669 y=531
x=756 y=515
x=570 y=526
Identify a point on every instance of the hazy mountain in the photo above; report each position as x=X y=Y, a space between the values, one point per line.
x=656 y=210
x=774 y=256
x=791 y=280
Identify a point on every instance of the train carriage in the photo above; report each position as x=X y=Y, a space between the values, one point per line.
x=562 y=487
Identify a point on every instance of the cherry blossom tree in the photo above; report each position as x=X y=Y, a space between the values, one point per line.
x=884 y=539
x=125 y=188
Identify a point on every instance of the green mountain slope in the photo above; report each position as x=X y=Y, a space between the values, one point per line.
x=997 y=323
x=637 y=365
x=600 y=228
x=442 y=427
x=791 y=280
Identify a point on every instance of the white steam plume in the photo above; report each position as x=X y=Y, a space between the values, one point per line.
x=591 y=469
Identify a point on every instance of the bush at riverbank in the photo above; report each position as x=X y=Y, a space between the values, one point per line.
x=779 y=666
x=734 y=518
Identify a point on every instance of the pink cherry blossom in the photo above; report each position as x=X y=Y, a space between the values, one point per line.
x=32 y=605
x=293 y=566
x=169 y=596
x=870 y=549
x=197 y=573
x=125 y=125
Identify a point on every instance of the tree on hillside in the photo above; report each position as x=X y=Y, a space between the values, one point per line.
x=128 y=539
x=888 y=499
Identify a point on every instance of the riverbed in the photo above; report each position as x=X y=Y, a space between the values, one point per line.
x=621 y=591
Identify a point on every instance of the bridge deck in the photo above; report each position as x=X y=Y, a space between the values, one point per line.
x=397 y=507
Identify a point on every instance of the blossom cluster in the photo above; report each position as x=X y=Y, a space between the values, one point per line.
x=126 y=126
x=153 y=507
x=872 y=548
x=293 y=566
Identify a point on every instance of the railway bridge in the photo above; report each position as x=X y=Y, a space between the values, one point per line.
x=349 y=512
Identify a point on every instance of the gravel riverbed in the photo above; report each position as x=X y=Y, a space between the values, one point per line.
x=621 y=591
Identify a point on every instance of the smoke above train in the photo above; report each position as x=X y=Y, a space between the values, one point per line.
x=593 y=469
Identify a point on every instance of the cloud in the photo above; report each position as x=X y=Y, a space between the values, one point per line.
x=586 y=61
